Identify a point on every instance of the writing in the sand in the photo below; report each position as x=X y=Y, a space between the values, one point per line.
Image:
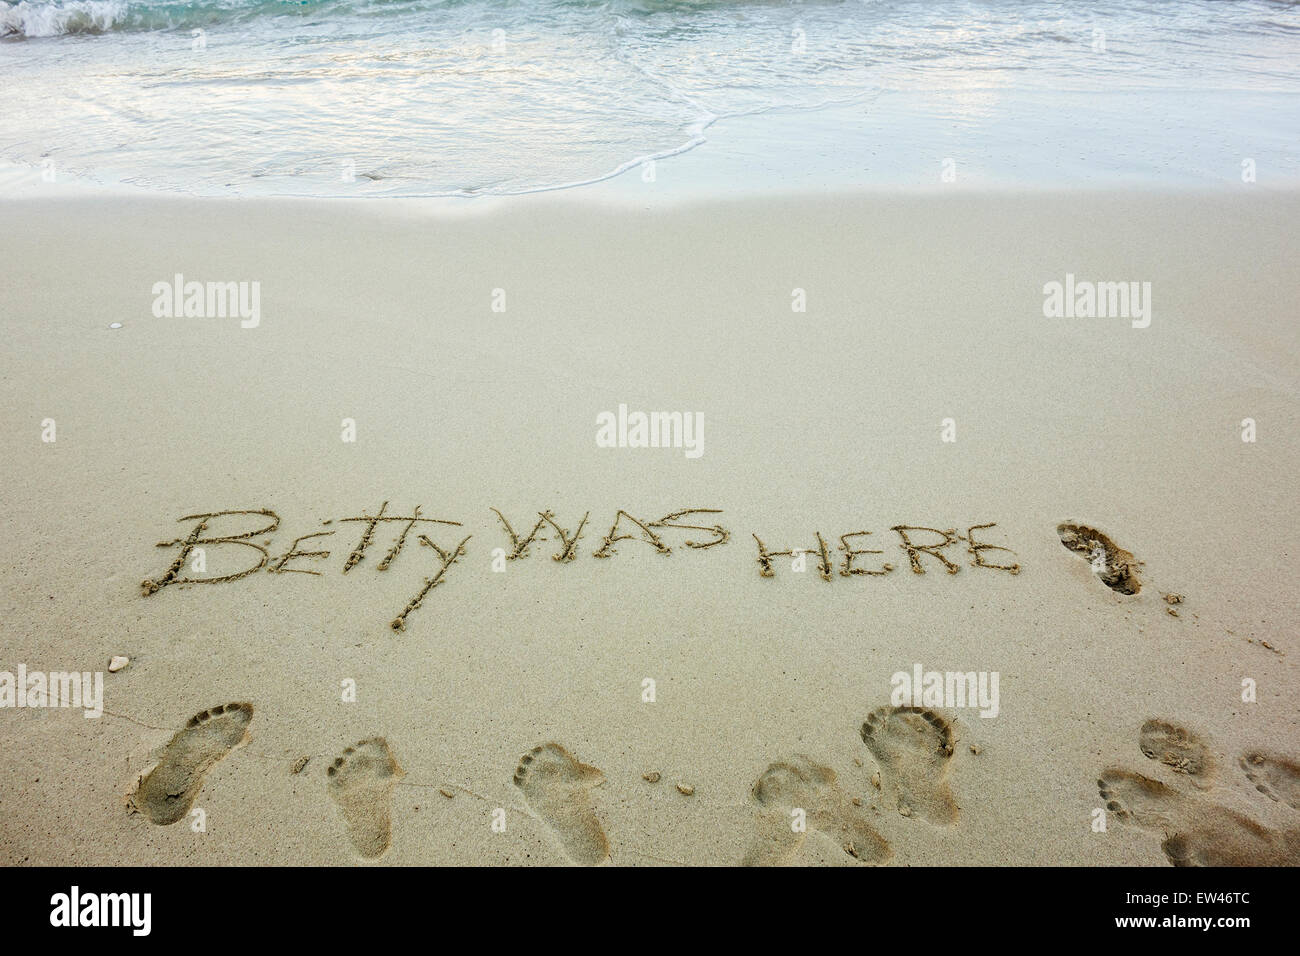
x=692 y=528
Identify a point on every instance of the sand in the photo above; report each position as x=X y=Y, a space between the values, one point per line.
x=510 y=720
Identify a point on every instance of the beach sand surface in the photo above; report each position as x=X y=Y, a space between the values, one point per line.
x=919 y=308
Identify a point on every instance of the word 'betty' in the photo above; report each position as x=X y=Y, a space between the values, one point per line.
x=191 y=556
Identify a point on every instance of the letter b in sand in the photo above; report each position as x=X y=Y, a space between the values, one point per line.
x=197 y=537
x=648 y=691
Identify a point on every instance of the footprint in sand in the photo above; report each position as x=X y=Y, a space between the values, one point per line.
x=1116 y=567
x=1196 y=832
x=1275 y=777
x=361 y=781
x=558 y=789
x=802 y=784
x=913 y=747
x=167 y=790
x=1178 y=748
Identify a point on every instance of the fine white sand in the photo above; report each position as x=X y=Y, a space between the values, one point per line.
x=919 y=309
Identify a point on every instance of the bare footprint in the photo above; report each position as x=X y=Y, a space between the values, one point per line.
x=1196 y=832
x=1116 y=567
x=1140 y=800
x=1178 y=748
x=361 y=781
x=802 y=784
x=558 y=789
x=168 y=789
x=914 y=749
x=1275 y=777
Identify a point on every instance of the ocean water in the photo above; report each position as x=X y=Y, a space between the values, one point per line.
x=480 y=97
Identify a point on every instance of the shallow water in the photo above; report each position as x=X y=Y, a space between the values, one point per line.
x=471 y=97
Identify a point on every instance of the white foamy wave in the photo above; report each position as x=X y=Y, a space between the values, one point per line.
x=25 y=19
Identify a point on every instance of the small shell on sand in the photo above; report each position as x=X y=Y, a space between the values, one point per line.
x=116 y=325
x=685 y=790
x=446 y=793
x=651 y=777
x=117 y=663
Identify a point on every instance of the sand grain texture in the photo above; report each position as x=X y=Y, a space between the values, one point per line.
x=817 y=425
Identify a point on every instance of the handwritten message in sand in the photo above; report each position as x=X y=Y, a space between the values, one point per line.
x=304 y=555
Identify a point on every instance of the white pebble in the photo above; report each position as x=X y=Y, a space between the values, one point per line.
x=117 y=663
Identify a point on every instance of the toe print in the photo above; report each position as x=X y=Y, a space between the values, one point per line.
x=913 y=747
x=1178 y=748
x=361 y=782
x=801 y=795
x=167 y=790
x=1275 y=777
x=558 y=789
